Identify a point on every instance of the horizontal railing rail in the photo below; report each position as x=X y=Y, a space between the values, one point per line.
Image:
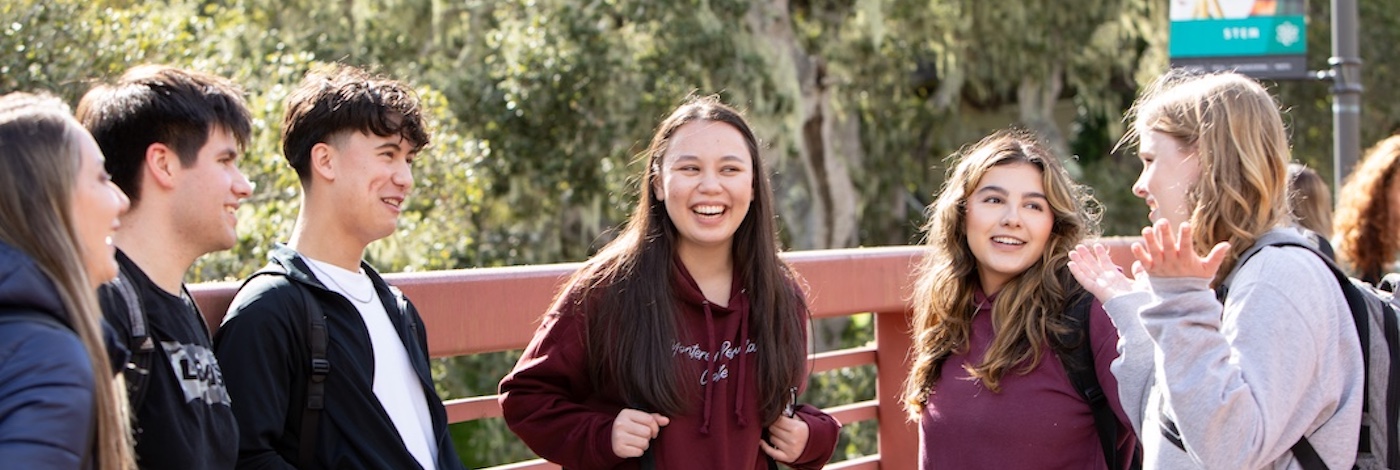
x=484 y=310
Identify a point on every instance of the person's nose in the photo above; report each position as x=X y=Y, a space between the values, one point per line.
x=242 y=188
x=709 y=182
x=1012 y=217
x=1140 y=186
x=123 y=202
x=403 y=176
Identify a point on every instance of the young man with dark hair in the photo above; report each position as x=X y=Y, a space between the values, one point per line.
x=172 y=139
x=327 y=362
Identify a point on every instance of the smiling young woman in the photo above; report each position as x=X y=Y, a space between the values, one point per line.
x=990 y=304
x=681 y=343
x=60 y=405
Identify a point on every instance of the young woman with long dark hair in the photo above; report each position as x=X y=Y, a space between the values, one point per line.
x=682 y=343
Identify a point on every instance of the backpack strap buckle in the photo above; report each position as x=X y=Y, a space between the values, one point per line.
x=320 y=367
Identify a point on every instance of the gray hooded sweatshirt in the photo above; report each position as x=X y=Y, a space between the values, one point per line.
x=1243 y=381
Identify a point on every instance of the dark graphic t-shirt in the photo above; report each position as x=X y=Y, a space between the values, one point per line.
x=184 y=420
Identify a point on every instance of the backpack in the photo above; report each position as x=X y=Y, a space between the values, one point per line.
x=1373 y=310
x=320 y=365
x=1076 y=353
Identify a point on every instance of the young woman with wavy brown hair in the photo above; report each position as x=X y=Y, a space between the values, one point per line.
x=990 y=302
x=682 y=344
x=60 y=404
x=1367 y=223
x=1218 y=374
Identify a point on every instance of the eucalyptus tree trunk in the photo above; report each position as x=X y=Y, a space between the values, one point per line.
x=1036 y=98
x=822 y=136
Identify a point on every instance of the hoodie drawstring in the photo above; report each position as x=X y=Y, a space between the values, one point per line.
x=710 y=367
x=744 y=343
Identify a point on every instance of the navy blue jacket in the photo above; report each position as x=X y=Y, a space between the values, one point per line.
x=46 y=412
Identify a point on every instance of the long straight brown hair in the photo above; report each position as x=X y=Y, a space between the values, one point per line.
x=1029 y=309
x=39 y=160
x=626 y=289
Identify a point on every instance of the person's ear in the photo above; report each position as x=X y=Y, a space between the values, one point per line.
x=323 y=163
x=656 y=188
x=161 y=165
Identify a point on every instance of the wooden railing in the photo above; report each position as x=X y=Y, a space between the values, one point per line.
x=473 y=311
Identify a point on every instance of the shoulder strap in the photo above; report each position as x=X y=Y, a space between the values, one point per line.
x=411 y=321
x=1307 y=456
x=1076 y=353
x=320 y=367
x=1268 y=239
x=138 y=341
x=316 y=382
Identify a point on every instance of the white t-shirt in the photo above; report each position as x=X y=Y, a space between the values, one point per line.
x=396 y=384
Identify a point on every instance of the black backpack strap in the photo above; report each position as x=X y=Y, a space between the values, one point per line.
x=320 y=367
x=138 y=341
x=648 y=459
x=1076 y=353
x=316 y=381
x=1307 y=456
x=410 y=321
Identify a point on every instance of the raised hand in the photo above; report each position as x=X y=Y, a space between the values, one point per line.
x=633 y=430
x=1094 y=269
x=789 y=437
x=1163 y=253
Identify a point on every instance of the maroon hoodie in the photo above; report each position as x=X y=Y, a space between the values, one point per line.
x=550 y=401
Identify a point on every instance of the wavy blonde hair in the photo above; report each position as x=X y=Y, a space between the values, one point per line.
x=39 y=160
x=1232 y=124
x=1029 y=308
x=1366 y=234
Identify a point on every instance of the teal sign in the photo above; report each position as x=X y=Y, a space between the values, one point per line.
x=1276 y=35
x=1260 y=38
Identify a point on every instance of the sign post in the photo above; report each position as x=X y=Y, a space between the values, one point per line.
x=1346 y=91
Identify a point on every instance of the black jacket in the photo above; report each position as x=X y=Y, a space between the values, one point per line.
x=263 y=349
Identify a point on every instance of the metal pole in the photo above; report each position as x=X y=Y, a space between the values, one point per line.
x=1346 y=90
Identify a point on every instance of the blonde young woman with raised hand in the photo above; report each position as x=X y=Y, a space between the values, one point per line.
x=990 y=307
x=1232 y=384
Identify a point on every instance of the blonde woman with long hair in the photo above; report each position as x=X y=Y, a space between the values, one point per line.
x=990 y=309
x=60 y=405
x=1217 y=372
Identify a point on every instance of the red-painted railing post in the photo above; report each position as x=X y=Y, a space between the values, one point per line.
x=899 y=439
